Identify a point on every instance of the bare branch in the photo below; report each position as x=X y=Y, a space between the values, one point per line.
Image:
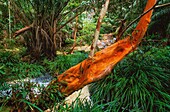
x=162 y=5
x=22 y=30
x=136 y=20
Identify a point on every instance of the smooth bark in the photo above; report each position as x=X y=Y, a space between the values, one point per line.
x=91 y=70
x=97 y=32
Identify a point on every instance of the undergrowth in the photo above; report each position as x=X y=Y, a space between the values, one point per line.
x=140 y=82
x=11 y=67
x=20 y=96
x=62 y=63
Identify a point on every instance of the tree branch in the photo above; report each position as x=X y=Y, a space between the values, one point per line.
x=136 y=20
x=162 y=5
x=91 y=70
x=74 y=36
x=22 y=30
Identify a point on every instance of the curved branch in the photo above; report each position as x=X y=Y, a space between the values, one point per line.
x=91 y=70
x=154 y=7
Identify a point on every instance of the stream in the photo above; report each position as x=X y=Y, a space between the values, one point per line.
x=39 y=82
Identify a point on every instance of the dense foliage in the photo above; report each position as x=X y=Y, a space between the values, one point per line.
x=12 y=68
x=140 y=82
x=44 y=20
x=142 y=85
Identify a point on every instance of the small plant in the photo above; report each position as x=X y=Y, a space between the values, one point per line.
x=21 y=98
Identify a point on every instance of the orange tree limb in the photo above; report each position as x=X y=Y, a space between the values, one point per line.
x=91 y=70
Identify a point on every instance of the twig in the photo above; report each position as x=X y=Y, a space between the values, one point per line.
x=162 y=5
x=137 y=19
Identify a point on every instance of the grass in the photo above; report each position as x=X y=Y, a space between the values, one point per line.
x=12 y=68
x=62 y=63
x=138 y=83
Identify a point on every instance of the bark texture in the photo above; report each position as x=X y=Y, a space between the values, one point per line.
x=96 y=68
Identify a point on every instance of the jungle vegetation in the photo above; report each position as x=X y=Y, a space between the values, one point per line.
x=42 y=36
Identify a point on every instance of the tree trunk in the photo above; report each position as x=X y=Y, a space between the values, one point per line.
x=9 y=18
x=74 y=36
x=91 y=70
x=97 y=32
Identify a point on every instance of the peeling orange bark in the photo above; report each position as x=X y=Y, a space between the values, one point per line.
x=96 y=68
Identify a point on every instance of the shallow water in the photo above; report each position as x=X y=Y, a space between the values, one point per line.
x=39 y=82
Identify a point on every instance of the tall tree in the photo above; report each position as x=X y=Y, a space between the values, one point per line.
x=43 y=20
